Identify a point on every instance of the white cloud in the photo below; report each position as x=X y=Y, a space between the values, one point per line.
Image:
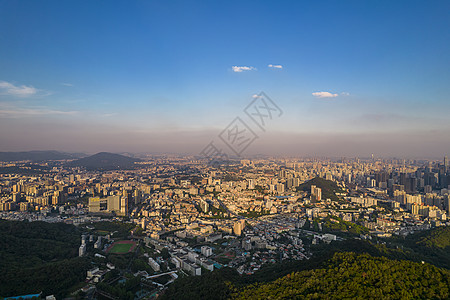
x=66 y=84
x=345 y=94
x=256 y=96
x=107 y=115
x=275 y=66
x=18 y=112
x=243 y=68
x=324 y=95
x=16 y=90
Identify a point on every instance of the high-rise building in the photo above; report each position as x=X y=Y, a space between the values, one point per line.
x=442 y=177
x=280 y=188
x=412 y=184
x=137 y=197
x=82 y=250
x=124 y=206
x=15 y=197
x=238 y=227
x=447 y=203
x=107 y=205
x=155 y=266
x=251 y=184
x=290 y=183
x=98 y=243
x=400 y=196
x=316 y=193
x=349 y=178
x=204 y=205
x=415 y=209
x=206 y=251
x=381 y=176
x=403 y=179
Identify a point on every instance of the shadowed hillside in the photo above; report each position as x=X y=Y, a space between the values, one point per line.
x=329 y=188
x=105 y=161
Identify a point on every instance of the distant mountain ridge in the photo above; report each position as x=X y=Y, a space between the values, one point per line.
x=38 y=155
x=105 y=161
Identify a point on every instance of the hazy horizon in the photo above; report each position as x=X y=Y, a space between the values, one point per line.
x=351 y=78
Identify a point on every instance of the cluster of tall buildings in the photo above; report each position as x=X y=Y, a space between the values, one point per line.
x=316 y=193
x=111 y=204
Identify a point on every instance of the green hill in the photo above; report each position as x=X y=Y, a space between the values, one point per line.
x=329 y=188
x=39 y=257
x=344 y=269
x=438 y=238
x=353 y=276
x=432 y=246
x=344 y=275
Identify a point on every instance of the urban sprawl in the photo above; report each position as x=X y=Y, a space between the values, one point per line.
x=241 y=214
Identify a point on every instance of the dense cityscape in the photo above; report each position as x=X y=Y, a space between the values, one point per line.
x=224 y=150
x=190 y=216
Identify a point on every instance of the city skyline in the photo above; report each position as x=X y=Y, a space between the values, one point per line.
x=351 y=78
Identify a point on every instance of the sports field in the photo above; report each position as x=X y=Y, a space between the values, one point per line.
x=121 y=247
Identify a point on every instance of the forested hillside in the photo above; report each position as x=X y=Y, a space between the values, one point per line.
x=438 y=238
x=39 y=257
x=348 y=269
x=329 y=188
x=353 y=276
x=432 y=246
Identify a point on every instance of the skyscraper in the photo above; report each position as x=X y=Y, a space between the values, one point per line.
x=204 y=205
x=238 y=227
x=316 y=193
x=251 y=184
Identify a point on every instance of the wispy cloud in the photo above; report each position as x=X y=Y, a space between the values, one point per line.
x=66 y=84
x=345 y=94
x=21 y=112
x=107 y=115
x=242 y=68
x=17 y=90
x=324 y=95
x=275 y=66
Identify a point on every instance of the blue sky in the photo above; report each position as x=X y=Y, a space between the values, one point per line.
x=158 y=76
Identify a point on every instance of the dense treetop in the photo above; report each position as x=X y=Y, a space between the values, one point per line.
x=39 y=257
x=352 y=268
x=349 y=275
